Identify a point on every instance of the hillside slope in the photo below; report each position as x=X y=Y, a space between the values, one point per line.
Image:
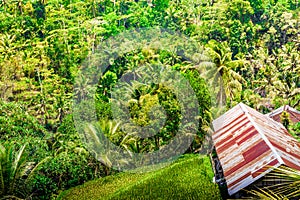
x=188 y=178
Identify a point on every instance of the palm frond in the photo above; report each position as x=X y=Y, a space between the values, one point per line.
x=17 y=165
x=289 y=186
x=267 y=194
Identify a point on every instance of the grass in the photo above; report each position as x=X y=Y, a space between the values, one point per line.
x=188 y=178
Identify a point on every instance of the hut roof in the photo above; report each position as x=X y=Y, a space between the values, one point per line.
x=248 y=143
x=294 y=114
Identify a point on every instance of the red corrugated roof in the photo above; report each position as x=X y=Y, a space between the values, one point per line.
x=294 y=114
x=248 y=142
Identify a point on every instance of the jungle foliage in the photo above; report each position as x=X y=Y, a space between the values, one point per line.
x=254 y=45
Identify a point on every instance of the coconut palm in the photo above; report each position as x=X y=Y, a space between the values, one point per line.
x=266 y=194
x=7 y=45
x=225 y=69
x=97 y=137
x=288 y=188
x=3 y=4
x=289 y=69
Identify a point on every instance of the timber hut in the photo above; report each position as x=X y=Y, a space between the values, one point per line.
x=249 y=145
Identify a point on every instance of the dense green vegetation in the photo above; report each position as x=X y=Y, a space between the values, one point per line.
x=254 y=46
x=172 y=182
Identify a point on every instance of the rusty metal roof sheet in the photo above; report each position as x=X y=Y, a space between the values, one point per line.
x=248 y=143
x=294 y=114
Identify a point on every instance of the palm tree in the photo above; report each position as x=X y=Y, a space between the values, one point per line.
x=288 y=69
x=11 y=170
x=15 y=172
x=82 y=87
x=266 y=194
x=97 y=137
x=287 y=189
x=225 y=69
x=7 y=45
x=3 y=4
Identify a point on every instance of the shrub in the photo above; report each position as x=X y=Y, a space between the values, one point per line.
x=15 y=122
